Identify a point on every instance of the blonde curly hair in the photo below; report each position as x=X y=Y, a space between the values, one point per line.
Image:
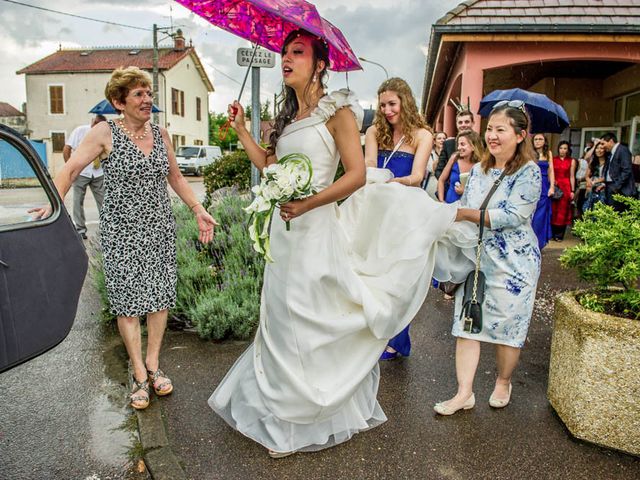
x=410 y=118
x=123 y=80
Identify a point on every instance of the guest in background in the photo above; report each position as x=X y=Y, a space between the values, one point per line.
x=464 y=121
x=91 y=176
x=564 y=171
x=581 y=182
x=430 y=183
x=400 y=141
x=541 y=221
x=470 y=151
x=618 y=174
x=597 y=157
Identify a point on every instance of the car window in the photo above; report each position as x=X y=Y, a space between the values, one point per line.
x=20 y=188
x=187 y=152
x=203 y=153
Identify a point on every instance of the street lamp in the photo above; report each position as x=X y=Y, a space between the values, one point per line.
x=375 y=63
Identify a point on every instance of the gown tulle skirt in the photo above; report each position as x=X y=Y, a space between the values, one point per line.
x=345 y=280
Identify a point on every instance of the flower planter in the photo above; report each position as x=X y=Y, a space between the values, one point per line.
x=594 y=375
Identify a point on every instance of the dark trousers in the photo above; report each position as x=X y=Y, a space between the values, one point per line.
x=558 y=231
x=609 y=200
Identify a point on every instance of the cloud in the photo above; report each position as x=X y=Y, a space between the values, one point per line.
x=391 y=32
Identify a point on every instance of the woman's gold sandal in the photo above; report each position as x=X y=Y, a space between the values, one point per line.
x=140 y=402
x=165 y=388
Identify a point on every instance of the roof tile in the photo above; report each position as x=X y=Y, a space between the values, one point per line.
x=105 y=59
x=561 y=12
x=7 y=110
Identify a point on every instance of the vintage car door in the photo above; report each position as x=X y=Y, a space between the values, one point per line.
x=42 y=262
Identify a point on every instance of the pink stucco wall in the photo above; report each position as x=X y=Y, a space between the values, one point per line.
x=467 y=75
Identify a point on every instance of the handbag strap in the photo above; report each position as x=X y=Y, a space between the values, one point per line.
x=395 y=149
x=483 y=209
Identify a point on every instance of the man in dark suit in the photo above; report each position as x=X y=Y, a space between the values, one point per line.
x=464 y=121
x=618 y=172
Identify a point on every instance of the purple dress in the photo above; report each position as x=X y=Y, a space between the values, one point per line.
x=541 y=221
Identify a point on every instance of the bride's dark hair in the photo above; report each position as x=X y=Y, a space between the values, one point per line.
x=289 y=103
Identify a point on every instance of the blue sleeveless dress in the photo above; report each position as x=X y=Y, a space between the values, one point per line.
x=400 y=164
x=541 y=221
x=454 y=177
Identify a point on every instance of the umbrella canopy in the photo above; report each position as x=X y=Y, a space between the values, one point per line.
x=546 y=115
x=268 y=22
x=105 y=108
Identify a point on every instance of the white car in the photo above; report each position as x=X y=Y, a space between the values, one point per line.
x=193 y=158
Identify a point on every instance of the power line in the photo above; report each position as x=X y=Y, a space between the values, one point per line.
x=77 y=16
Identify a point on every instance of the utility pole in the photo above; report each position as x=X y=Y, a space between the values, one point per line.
x=156 y=86
x=255 y=118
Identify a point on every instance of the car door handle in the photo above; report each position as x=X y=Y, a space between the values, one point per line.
x=4 y=264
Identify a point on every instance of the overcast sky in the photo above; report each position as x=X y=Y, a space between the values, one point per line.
x=394 y=33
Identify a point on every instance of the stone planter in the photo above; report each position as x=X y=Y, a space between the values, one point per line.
x=594 y=375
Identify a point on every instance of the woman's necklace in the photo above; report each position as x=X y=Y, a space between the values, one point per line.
x=131 y=134
x=302 y=114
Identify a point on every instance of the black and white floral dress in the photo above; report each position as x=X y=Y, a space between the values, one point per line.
x=138 y=232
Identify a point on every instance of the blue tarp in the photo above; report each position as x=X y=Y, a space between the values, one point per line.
x=13 y=163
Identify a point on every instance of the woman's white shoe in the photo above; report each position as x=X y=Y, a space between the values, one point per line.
x=500 y=402
x=443 y=409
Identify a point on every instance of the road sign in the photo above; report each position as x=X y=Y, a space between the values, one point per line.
x=263 y=58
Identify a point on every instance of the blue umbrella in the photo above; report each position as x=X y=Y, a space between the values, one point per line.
x=105 y=108
x=546 y=115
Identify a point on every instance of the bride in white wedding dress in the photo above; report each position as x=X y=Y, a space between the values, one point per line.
x=344 y=279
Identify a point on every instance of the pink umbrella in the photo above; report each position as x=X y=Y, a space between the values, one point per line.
x=268 y=22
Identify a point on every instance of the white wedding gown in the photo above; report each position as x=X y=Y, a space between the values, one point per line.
x=345 y=280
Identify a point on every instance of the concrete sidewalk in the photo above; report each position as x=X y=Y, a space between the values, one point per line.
x=524 y=440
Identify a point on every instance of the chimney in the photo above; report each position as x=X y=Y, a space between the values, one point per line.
x=178 y=40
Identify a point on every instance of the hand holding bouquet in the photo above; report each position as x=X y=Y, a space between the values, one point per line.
x=288 y=179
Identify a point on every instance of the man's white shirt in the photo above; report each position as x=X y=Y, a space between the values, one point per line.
x=74 y=141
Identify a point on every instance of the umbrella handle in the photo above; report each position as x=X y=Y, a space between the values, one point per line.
x=224 y=130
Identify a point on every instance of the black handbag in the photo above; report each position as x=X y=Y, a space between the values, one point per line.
x=557 y=192
x=475 y=283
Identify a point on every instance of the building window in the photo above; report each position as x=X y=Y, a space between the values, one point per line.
x=57 y=141
x=178 y=140
x=632 y=106
x=56 y=99
x=198 y=142
x=177 y=102
x=198 y=109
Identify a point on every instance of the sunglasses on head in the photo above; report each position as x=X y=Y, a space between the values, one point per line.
x=519 y=104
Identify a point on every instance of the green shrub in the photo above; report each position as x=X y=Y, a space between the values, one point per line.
x=219 y=284
x=231 y=170
x=609 y=256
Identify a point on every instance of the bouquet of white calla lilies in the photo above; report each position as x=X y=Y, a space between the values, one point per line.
x=288 y=179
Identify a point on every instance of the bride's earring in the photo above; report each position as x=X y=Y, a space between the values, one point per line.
x=315 y=78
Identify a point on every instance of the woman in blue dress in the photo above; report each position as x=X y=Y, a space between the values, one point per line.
x=541 y=222
x=510 y=257
x=401 y=141
x=469 y=152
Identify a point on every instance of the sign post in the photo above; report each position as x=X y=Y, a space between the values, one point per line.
x=247 y=57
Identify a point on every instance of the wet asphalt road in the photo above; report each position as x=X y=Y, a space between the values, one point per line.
x=63 y=415
x=524 y=440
